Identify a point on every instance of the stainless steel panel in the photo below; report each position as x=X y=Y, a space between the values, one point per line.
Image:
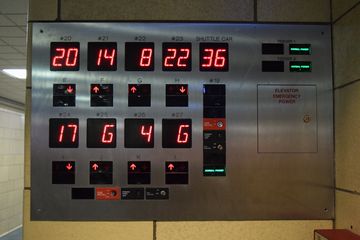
x=265 y=184
x=287 y=119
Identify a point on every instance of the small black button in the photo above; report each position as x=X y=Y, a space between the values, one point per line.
x=64 y=95
x=101 y=95
x=272 y=66
x=139 y=172
x=132 y=193
x=214 y=89
x=157 y=193
x=177 y=95
x=101 y=172
x=273 y=48
x=176 y=173
x=139 y=95
x=63 y=172
x=214 y=100
x=214 y=112
x=82 y=193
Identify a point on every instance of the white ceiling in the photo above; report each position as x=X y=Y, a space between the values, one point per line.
x=13 y=22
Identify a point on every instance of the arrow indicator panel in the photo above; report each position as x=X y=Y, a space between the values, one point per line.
x=177 y=95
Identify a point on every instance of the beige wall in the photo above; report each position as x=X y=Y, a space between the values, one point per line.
x=346 y=39
x=212 y=10
x=11 y=169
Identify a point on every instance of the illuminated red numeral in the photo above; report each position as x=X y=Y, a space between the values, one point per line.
x=72 y=54
x=146 y=133
x=110 y=56
x=170 y=57
x=146 y=54
x=208 y=58
x=107 y=135
x=217 y=61
x=186 y=52
x=71 y=57
x=183 y=135
x=59 y=57
x=74 y=132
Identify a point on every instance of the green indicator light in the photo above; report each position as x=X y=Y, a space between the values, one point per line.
x=305 y=66
x=209 y=170
x=295 y=49
x=304 y=49
x=219 y=170
x=295 y=66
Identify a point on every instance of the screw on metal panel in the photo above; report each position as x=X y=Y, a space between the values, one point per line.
x=307 y=118
x=326 y=210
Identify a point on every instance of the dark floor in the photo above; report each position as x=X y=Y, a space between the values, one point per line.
x=15 y=235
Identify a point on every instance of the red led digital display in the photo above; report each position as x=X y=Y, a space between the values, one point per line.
x=176 y=57
x=102 y=56
x=63 y=133
x=101 y=133
x=214 y=57
x=176 y=133
x=139 y=56
x=64 y=56
x=139 y=133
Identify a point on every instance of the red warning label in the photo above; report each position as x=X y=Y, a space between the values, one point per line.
x=112 y=193
x=211 y=124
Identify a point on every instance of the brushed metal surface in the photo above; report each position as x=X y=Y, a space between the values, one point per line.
x=285 y=173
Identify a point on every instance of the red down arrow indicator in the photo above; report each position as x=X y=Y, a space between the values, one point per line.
x=69 y=89
x=182 y=89
x=69 y=166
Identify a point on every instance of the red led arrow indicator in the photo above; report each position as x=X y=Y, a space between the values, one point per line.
x=96 y=89
x=132 y=167
x=133 y=89
x=182 y=89
x=69 y=166
x=95 y=166
x=171 y=166
x=69 y=89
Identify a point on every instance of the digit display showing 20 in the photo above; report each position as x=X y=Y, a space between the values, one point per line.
x=64 y=56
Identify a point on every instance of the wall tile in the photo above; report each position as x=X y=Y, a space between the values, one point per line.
x=339 y=7
x=11 y=168
x=346 y=48
x=348 y=211
x=347 y=132
x=249 y=230
x=212 y=10
x=293 y=10
x=41 y=10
